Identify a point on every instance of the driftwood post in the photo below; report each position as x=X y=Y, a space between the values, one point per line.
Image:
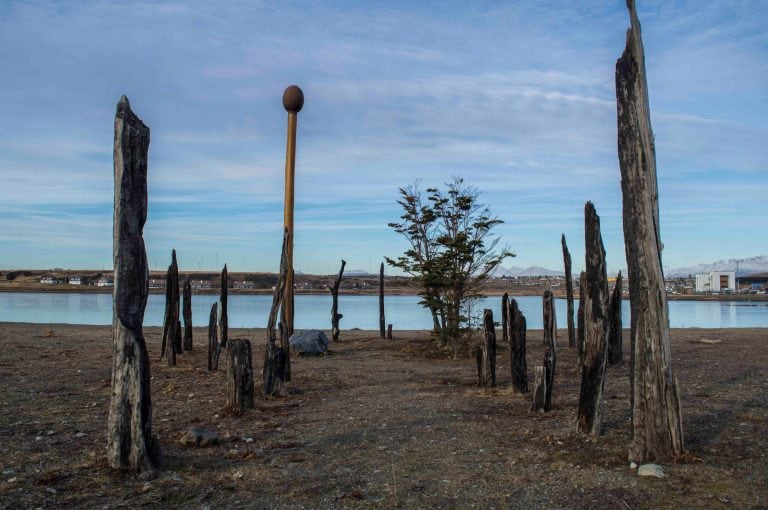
x=335 y=315
x=595 y=326
x=177 y=343
x=239 y=375
x=505 y=318
x=550 y=349
x=382 y=320
x=517 y=363
x=539 y=394
x=187 y=315
x=389 y=331
x=273 y=373
x=580 y=317
x=212 y=337
x=657 y=427
x=486 y=353
x=568 y=293
x=615 y=347
x=223 y=319
x=130 y=444
x=171 y=343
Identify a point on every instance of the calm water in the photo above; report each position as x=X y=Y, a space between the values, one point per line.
x=361 y=312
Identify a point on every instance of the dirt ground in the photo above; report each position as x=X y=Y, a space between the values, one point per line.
x=376 y=423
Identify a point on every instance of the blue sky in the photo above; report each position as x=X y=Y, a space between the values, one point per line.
x=516 y=97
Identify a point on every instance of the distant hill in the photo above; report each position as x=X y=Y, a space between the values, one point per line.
x=357 y=273
x=751 y=265
x=513 y=271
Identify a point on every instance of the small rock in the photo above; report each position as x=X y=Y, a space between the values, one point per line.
x=651 y=470
x=80 y=434
x=50 y=433
x=309 y=342
x=199 y=437
x=249 y=440
x=12 y=480
x=632 y=465
x=709 y=342
x=38 y=438
x=7 y=471
x=51 y=490
x=238 y=475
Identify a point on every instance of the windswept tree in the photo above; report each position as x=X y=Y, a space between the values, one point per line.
x=453 y=251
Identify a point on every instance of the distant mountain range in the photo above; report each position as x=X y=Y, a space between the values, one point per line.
x=746 y=266
x=513 y=271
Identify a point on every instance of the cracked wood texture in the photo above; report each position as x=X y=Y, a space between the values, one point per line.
x=580 y=318
x=517 y=363
x=187 y=313
x=615 y=347
x=568 y=292
x=274 y=373
x=486 y=353
x=657 y=429
x=213 y=338
x=550 y=343
x=239 y=375
x=130 y=444
x=505 y=318
x=335 y=315
x=595 y=326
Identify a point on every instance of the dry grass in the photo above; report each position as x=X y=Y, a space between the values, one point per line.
x=374 y=424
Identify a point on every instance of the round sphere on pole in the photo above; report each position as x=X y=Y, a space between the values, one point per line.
x=293 y=99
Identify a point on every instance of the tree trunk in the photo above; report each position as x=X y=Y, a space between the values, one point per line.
x=595 y=326
x=517 y=363
x=580 y=318
x=187 y=315
x=486 y=354
x=569 y=293
x=213 y=340
x=239 y=375
x=130 y=444
x=657 y=428
x=538 y=398
x=382 y=320
x=335 y=315
x=615 y=348
x=550 y=349
x=505 y=318
x=273 y=373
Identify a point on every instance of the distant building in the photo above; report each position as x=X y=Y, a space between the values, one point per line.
x=75 y=280
x=243 y=284
x=105 y=281
x=156 y=283
x=716 y=281
x=50 y=280
x=200 y=284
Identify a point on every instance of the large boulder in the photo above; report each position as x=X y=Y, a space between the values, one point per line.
x=309 y=342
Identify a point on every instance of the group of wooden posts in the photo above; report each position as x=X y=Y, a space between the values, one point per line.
x=598 y=337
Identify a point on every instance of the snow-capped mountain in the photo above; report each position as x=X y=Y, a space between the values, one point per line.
x=513 y=271
x=751 y=265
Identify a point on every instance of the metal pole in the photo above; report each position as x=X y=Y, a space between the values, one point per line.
x=293 y=101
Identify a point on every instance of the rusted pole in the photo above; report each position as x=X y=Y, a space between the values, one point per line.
x=293 y=101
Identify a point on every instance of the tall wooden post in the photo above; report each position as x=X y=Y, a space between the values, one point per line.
x=568 y=292
x=382 y=319
x=517 y=363
x=335 y=315
x=550 y=349
x=657 y=426
x=505 y=317
x=293 y=101
x=615 y=347
x=130 y=444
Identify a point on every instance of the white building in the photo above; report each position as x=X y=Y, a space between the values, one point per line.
x=105 y=281
x=75 y=280
x=716 y=281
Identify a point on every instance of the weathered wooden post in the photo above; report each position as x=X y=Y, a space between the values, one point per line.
x=239 y=375
x=615 y=347
x=213 y=341
x=130 y=444
x=517 y=362
x=177 y=333
x=657 y=427
x=335 y=315
x=595 y=326
x=171 y=343
x=187 y=315
x=486 y=353
x=580 y=318
x=382 y=320
x=505 y=318
x=223 y=317
x=539 y=394
x=550 y=349
x=274 y=371
x=293 y=102
x=568 y=292
x=389 y=331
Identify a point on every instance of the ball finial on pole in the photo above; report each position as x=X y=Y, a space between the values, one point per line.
x=293 y=99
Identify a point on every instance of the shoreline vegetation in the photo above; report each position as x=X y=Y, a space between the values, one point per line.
x=376 y=423
x=29 y=281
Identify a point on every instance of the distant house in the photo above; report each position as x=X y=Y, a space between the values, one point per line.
x=716 y=281
x=75 y=280
x=243 y=284
x=105 y=281
x=156 y=283
x=50 y=280
x=200 y=284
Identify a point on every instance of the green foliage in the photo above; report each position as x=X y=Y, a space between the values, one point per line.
x=452 y=251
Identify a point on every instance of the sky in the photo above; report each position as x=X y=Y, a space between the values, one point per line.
x=516 y=97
